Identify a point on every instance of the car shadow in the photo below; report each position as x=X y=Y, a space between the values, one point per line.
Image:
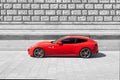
x=98 y=55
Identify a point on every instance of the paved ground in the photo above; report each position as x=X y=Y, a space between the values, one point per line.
x=17 y=64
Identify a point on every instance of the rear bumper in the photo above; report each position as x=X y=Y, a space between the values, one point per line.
x=95 y=53
x=95 y=50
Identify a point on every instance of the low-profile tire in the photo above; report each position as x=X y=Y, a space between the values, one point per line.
x=39 y=53
x=85 y=53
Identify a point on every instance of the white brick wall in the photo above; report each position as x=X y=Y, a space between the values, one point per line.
x=26 y=6
x=35 y=18
x=58 y=1
x=112 y=12
x=39 y=12
x=44 y=18
x=89 y=6
x=50 y=1
x=93 y=1
x=76 y=1
x=53 y=6
x=44 y=6
x=26 y=18
x=93 y=12
x=63 y=6
x=84 y=12
x=66 y=12
x=30 y=1
x=11 y=12
x=90 y=18
x=59 y=12
x=38 y=1
x=104 y=1
x=8 y=18
x=50 y=12
x=66 y=1
x=98 y=6
x=98 y=18
x=72 y=18
x=76 y=12
x=79 y=6
x=35 y=6
x=30 y=12
x=117 y=12
x=107 y=6
x=81 y=18
x=63 y=18
x=54 y=18
x=22 y=12
x=84 y=1
x=17 y=18
x=116 y=18
x=3 y=12
x=7 y=6
x=97 y=10
x=104 y=12
x=22 y=1
x=107 y=18
x=71 y=6
x=118 y=1
x=17 y=6
x=10 y=1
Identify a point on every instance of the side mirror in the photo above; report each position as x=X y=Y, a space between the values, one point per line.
x=59 y=43
x=52 y=41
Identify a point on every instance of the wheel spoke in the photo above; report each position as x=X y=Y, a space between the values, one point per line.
x=85 y=53
x=39 y=53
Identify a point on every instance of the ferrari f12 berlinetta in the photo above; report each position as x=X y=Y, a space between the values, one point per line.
x=66 y=46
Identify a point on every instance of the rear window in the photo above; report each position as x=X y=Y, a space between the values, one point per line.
x=80 y=40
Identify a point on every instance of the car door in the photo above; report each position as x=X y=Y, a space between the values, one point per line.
x=67 y=48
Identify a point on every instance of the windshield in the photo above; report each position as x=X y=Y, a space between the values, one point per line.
x=58 y=40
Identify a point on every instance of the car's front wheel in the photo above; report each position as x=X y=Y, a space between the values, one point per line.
x=85 y=53
x=39 y=52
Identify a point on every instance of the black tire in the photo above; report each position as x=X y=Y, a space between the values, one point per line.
x=39 y=53
x=85 y=53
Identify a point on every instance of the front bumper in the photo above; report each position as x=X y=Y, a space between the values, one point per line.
x=30 y=51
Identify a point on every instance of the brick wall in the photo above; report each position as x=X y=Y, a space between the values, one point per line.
x=60 y=11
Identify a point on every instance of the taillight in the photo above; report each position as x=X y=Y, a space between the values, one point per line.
x=96 y=46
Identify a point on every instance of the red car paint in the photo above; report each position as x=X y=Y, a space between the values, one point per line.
x=55 y=49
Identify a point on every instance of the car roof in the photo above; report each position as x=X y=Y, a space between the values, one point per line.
x=81 y=37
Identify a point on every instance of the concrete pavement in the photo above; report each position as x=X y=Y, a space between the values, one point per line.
x=17 y=64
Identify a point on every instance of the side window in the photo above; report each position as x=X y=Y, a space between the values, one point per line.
x=80 y=40
x=68 y=41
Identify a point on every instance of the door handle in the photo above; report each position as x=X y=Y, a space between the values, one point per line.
x=50 y=46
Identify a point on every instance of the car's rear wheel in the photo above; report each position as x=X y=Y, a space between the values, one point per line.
x=85 y=53
x=39 y=52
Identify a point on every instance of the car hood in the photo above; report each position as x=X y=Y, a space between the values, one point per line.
x=42 y=43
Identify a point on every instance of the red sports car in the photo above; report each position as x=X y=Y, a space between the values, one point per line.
x=65 y=46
